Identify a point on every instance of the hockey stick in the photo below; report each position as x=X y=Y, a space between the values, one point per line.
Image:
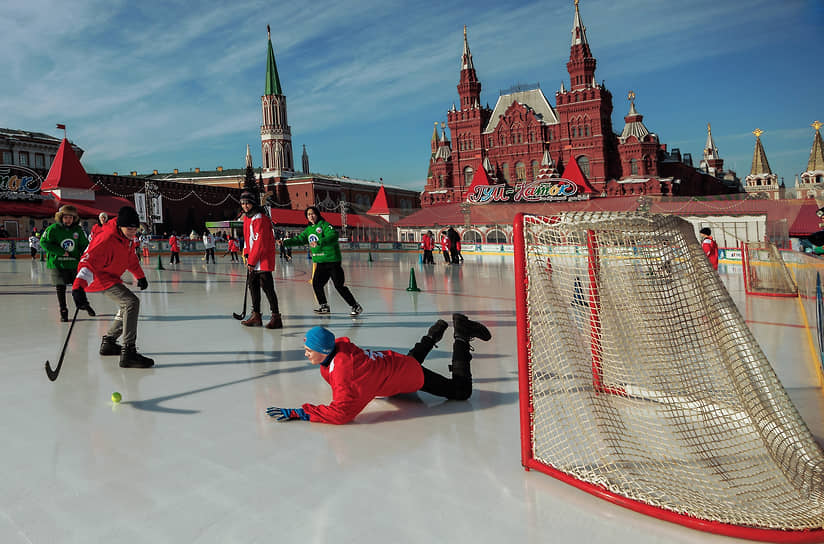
x=52 y=374
x=245 y=296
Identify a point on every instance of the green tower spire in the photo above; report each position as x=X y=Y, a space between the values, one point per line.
x=272 y=79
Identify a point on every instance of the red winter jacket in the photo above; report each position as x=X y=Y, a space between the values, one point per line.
x=97 y=228
x=232 y=245
x=427 y=243
x=173 y=245
x=104 y=261
x=444 y=243
x=259 y=239
x=711 y=250
x=357 y=376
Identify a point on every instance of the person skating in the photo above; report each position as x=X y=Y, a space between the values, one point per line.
x=322 y=239
x=454 y=245
x=445 y=248
x=357 y=376
x=64 y=241
x=232 y=249
x=174 y=249
x=102 y=217
x=209 y=245
x=428 y=244
x=709 y=246
x=259 y=253
x=109 y=255
x=34 y=245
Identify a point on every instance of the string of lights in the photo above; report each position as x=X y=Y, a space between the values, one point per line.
x=165 y=196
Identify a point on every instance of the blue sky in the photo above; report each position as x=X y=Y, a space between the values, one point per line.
x=162 y=85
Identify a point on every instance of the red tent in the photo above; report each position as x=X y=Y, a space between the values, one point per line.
x=66 y=172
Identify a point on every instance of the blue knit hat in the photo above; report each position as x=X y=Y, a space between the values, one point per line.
x=320 y=340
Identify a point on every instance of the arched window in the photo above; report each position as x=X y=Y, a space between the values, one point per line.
x=586 y=130
x=496 y=236
x=470 y=237
x=441 y=181
x=467 y=174
x=520 y=171
x=583 y=164
x=505 y=170
x=633 y=167
x=535 y=169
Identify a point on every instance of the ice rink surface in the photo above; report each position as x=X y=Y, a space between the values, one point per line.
x=190 y=456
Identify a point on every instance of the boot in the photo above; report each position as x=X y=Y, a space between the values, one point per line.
x=275 y=322
x=323 y=309
x=357 y=309
x=436 y=331
x=253 y=321
x=466 y=329
x=89 y=310
x=130 y=358
x=64 y=314
x=109 y=346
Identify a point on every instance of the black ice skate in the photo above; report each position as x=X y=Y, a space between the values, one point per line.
x=323 y=309
x=466 y=329
x=109 y=346
x=436 y=331
x=357 y=309
x=130 y=358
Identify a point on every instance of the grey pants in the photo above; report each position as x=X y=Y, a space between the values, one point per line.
x=125 y=322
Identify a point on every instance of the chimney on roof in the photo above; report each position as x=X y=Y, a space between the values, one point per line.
x=197 y=170
x=220 y=169
x=154 y=172
x=175 y=171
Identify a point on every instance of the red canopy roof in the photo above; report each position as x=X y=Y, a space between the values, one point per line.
x=31 y=208
x=381 y=205
x=573 y=173
x=479 y=178
x=66 y=171
x=92 y=208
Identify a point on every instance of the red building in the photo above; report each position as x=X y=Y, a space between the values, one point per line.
x=509 y=141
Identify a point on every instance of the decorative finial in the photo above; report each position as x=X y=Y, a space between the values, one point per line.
x=576 y=3
x=436 y=124
x=758 y=132
x=268 y=31
x=817 y=125
x=464 y=31
x=443 y=125
x=631 y=94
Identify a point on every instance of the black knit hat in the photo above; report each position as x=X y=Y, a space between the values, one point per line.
x=248 y=196
x=127 y=217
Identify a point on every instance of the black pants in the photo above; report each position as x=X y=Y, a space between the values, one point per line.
x=175 y=257
x=258 y=280
x=61 y=277
x=446 y=256
x=459 y=386
x=427 y=257
x=210 y=251
x=233 y=254
x=456 y=255
x=324 y=271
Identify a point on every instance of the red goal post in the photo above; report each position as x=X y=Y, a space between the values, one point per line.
x=641 y=384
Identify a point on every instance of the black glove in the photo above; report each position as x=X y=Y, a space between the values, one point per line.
x=142 y=283
x=79 y=296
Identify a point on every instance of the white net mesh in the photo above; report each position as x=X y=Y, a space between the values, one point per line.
x=765 y=271
x=645 y=380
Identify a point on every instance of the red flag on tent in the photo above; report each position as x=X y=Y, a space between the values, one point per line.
x=61 y=126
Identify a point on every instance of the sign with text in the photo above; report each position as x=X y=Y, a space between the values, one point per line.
x=552 y=190
x=19 y=183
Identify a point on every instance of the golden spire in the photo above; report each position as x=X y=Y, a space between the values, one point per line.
x=758 y=132
x=576 y=3
x=631 y=94
x=709 y=129
x=817 y=125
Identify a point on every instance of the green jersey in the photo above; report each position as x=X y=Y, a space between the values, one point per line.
x=327 y=250
x=59 y=240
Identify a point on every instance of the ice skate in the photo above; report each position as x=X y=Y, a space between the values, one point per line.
x=323 y=309
x=466 y=329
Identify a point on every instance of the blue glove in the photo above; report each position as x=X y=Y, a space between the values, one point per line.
x=287 y=414
x=142 y=283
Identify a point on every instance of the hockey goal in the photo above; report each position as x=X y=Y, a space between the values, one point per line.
x=765 y=272
x=641 y=383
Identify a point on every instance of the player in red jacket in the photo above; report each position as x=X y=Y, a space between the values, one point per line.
x=233 y=249
x=259 y=252
x=428 y=244
x=445 y=248
x=111 y=253
x=174 y=249
x=709 y=246
x=359 y=375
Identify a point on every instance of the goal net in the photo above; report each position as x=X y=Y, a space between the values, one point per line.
x=641 y=383
x=765 y=272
